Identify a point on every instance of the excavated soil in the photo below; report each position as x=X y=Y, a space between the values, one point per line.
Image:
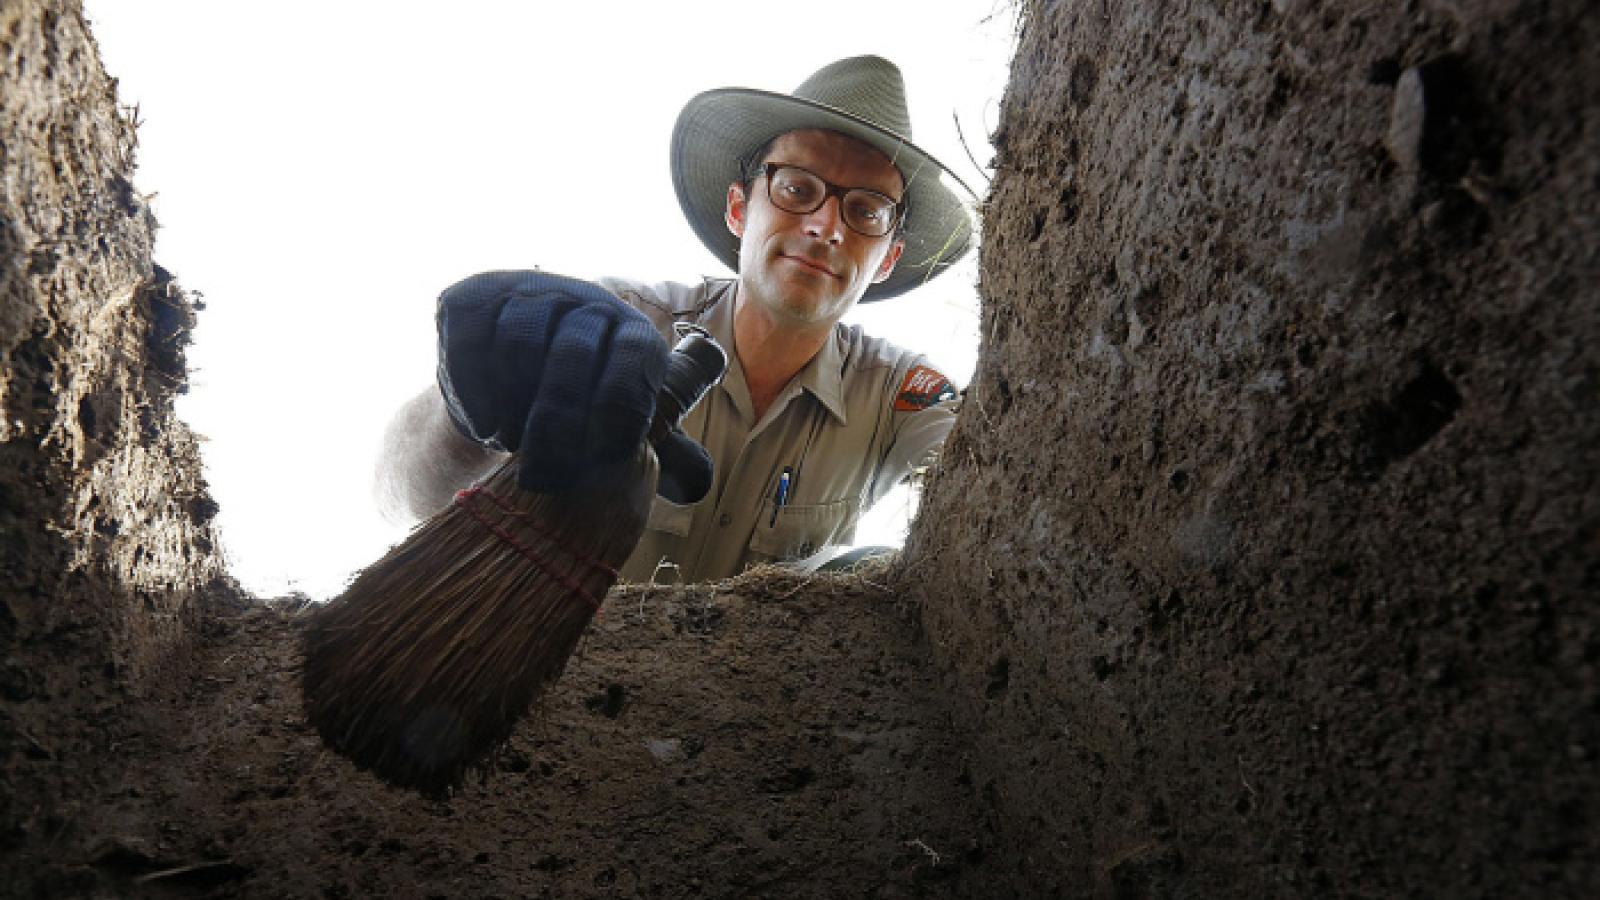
x=764 y=737
x=1261 y=562
x=1268 y=544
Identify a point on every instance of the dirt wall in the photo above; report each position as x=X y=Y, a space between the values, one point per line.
x=1260 y=562
x=105 y=534
x=1264 y=554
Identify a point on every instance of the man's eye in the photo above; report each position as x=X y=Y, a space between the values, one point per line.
x=868 y=212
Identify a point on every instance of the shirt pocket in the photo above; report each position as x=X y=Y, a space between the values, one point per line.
x=669 y=517
x=799 y=530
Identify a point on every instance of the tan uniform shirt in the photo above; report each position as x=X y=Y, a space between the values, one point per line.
x=850 y=426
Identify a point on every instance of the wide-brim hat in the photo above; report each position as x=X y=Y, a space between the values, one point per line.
x=863 y=97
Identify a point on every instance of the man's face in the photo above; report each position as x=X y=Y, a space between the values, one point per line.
x=809 y=269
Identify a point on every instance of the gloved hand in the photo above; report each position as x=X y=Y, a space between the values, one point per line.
x=559 y=370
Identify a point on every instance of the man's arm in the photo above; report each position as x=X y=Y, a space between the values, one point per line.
x=425 y=460
x=922 y=413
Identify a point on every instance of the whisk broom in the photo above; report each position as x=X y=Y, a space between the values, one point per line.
x=431 y=655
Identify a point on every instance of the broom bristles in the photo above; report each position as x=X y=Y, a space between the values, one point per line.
x=426 y=662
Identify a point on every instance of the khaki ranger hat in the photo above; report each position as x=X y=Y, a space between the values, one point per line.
x=863 y=97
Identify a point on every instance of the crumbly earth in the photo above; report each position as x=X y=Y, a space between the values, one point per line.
x=1261 y=562
x=1268 y=544
x=771 y=736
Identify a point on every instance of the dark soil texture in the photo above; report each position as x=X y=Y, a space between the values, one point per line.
x=1262 y=561
x=769 y=737
x=1275 y=497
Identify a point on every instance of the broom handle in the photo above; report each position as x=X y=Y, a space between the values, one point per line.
x=696 y=363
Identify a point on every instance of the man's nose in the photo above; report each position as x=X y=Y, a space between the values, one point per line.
x=825 y=222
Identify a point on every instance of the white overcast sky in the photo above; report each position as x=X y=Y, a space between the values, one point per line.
x=320 y=170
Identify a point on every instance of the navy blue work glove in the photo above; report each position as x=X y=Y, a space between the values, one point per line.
x=561 y=371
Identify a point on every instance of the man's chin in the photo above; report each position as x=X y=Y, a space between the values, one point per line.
x=802 y=297
x=801 y=302
x=800 y=309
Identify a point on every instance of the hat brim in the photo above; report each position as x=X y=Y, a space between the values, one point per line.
x=718 y=127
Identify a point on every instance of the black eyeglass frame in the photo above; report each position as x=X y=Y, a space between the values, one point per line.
x=829 y=189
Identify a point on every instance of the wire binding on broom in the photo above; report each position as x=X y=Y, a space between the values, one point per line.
x=595 y=566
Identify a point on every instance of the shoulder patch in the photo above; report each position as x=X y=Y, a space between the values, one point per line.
x=923 y=387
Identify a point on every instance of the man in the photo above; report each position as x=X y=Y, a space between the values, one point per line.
x=818 y=201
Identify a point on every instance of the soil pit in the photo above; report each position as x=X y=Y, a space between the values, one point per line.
x=766 y=736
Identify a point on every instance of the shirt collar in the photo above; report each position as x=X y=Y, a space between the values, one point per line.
x=823 y=377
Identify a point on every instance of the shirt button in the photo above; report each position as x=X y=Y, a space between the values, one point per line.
x=725 y=520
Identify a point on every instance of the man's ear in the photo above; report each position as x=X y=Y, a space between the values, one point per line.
x=734 y=213
x=889 y=259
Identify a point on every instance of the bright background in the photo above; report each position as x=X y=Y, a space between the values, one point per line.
x=321 y=170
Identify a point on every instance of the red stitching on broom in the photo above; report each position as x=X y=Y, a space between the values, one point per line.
x=528 y=552
x=539 y=529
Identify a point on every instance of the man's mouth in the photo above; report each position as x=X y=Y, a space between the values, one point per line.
x=811 y=264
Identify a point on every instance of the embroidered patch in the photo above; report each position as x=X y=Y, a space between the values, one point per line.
x=922 y=388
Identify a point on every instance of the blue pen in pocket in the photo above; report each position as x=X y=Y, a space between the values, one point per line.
x=780 y=498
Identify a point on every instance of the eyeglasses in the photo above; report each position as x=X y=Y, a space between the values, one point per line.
x=793 y=189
